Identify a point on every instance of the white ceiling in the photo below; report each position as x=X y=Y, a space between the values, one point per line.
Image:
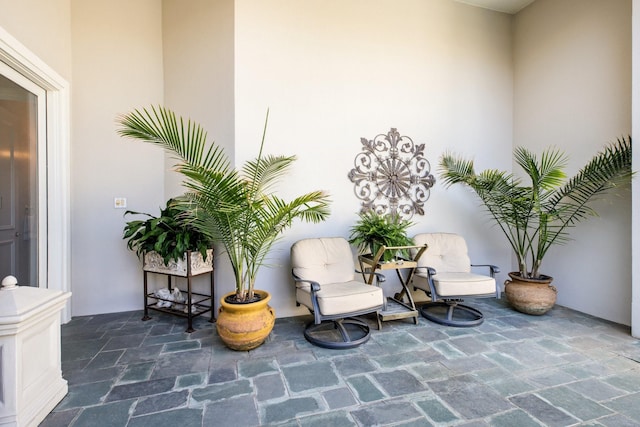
x=507 y=6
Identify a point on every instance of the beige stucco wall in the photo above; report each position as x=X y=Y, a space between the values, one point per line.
x=117 y=66
x=573 y=91
x=43 y=27
x=198 y=51
x=332 y=72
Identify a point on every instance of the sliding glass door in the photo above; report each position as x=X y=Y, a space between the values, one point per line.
x=22 y=178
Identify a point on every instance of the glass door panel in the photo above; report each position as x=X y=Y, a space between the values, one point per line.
x=19 y=211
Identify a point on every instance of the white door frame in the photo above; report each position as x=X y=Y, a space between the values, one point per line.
x=57 y=196
x=635 y=197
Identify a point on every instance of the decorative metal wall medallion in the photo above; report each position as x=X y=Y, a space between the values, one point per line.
x=391 y=175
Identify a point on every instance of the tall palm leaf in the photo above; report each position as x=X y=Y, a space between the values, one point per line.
x=508 y=203
x=534 y=217
x=573 y=201
x=235 y=208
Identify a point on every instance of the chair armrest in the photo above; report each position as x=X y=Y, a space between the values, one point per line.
x=315 y=286
x=493 y=269
x=430 y=273
x=379 y=276
x=429 y=270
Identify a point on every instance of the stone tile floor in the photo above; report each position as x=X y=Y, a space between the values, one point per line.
x=561 y=369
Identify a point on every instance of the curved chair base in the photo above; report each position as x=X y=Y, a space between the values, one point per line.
x=338 y=334
x=452 y=314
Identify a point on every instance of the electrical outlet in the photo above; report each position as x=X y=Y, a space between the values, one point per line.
x=120 y=202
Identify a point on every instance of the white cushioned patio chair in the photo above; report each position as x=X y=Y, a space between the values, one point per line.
x=444 y=273
x=326 y=283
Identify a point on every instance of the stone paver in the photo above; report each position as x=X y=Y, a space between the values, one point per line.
x=543 y=411
x=339 y=398
x=161 y=402
x=398 y=383
x=469 y=397
x=178 y=417
x=364 y=389
x=269 y=387
x=110 y=414
x=595 y=389
x=386 y=413
x=143 y=388
x=333 y=419
x=310 y=376
x=221 y=391
x=353 y=365
x=254 y=367
x=627 y=405
x=436 y=411
x=574 y=403
x=289 y=409
x=513 y=418
x=564 y=368
x=85 y=394
x=235 y=412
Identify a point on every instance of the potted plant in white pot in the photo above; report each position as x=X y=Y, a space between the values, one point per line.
x=162 y=242
x=538 y=214
x=236 y=208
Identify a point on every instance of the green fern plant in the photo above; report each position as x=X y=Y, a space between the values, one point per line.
x=374 y=230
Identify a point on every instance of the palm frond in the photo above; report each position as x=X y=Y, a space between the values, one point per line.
x=534 y=217
x=235 y=208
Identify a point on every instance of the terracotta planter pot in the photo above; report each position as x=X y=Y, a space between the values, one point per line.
x=530 y=296
x=245 y=326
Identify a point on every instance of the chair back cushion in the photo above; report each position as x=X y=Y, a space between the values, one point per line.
x=447 y=252
x=324 y=260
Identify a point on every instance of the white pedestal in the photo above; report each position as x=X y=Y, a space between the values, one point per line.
x=30 y=366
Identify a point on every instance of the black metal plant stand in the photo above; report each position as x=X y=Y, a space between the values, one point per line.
x=202 y=303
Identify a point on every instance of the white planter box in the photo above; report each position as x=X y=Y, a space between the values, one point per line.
x=30 y=367
x=154 y=263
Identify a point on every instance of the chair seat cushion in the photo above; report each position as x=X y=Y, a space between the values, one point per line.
x=457 y=284
x=345 y=297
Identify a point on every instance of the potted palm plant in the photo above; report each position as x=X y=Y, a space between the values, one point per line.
x=236 y=208
x=538 y=214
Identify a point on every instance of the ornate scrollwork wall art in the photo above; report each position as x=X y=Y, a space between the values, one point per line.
x=391 y=175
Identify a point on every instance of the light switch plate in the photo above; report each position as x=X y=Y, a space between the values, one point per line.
x=120 y=202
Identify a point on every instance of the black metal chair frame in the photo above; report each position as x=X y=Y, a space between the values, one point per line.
x=353 y=331
x=452 y=303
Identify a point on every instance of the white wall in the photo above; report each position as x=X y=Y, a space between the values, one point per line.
x=573 y=91
x=199 y=70
x=198 y=43
x=43 y=27
x=334 y=71
x=117 y=66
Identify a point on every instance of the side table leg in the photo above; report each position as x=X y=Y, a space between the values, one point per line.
x=404 y=281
